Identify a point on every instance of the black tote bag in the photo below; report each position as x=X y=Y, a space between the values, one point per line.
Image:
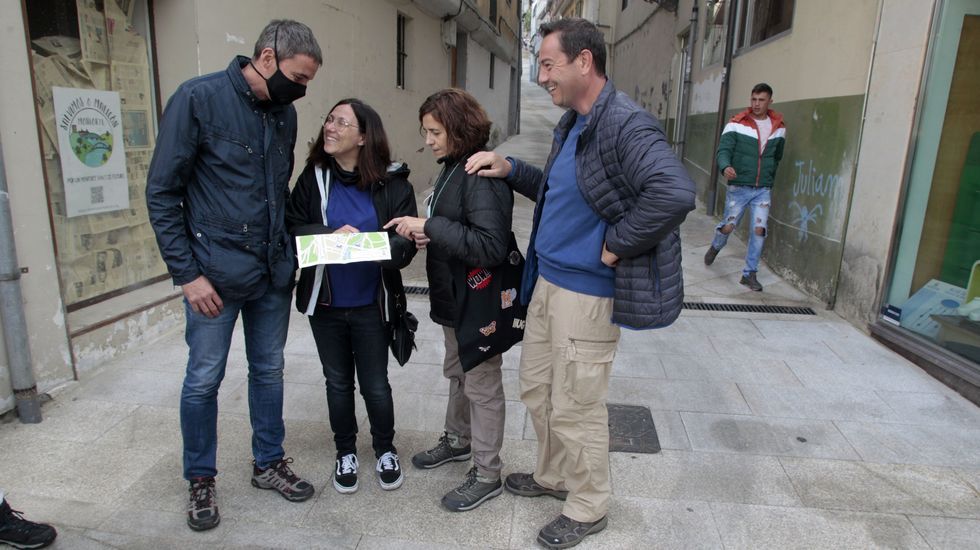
x=492 y=316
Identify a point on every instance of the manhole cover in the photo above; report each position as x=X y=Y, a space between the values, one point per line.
x=631 y=429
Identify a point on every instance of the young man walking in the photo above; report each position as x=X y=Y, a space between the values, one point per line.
x=604 y=253
x=216 y=192
x=748 y=155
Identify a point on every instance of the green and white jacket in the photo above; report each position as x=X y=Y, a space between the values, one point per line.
x=739 y=148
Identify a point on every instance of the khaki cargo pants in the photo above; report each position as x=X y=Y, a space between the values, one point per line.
x=568 y=350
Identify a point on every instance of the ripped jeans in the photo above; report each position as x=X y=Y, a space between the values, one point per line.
x=739 y=197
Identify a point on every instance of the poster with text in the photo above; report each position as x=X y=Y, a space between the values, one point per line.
x=90 y=144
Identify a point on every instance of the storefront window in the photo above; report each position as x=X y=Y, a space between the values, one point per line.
x=95 y=98
x=935 y=290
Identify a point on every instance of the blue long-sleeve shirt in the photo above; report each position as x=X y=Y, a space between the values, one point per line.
x=571 y=234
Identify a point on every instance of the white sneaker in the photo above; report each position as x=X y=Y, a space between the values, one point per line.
x=345 y=477
x=389 y=471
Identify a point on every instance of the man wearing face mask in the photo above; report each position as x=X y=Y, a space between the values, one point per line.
x=216 y=192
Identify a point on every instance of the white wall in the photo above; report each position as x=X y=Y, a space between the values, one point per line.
x=495 y=101
x=28 y=201
x=898 y=66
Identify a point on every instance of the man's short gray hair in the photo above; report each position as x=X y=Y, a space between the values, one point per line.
x=288 y=39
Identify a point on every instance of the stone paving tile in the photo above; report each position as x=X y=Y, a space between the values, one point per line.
x=392 y=543
x=680 y=475
x=77 y=539
x=773 y=348
x=810 y=330
x=133 y=386
x=257 y=535
x=817 y=404
x=719 y=368
x=766 y=436
x=947 y=408
x=633 y=523
x=77 y=514
x=66 y=470
x=679 y=395
x=77 y=420
x=134 y=528
x=637 y=365
x=147 y=427
x=861 y=349
x=948 y=533
x=887 y=488
x=416 y=510
x=760 y=527
x=937 y=445
x=891 y=376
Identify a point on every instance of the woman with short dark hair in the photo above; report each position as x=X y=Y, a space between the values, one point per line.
x=350 y=186
x=468 y=225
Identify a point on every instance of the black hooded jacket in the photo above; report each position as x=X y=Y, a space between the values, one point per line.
x=469 y=227
x=392 y=198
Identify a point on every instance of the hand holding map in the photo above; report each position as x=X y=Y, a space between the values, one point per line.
x=342 y=248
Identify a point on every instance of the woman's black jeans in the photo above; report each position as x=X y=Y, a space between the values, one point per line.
x=354 y=340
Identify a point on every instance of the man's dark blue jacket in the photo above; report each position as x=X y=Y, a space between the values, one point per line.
x=630 y=176
x=218 y=185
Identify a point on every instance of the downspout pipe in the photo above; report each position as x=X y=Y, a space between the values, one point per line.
x=686 y=72
x=12 y=314
x=726 y=80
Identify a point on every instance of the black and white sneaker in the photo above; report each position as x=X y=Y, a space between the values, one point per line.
x=389 y=471
x=345 y=476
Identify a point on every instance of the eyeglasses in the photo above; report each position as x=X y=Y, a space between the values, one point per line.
x=342 y=124
x=426 y=133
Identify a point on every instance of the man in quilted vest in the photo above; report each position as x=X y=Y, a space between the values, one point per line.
x=748 y=155
x=604 y=252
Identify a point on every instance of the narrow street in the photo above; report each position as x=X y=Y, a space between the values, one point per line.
x=776 y=430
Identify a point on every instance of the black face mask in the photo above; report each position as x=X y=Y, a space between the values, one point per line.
x=282 y=90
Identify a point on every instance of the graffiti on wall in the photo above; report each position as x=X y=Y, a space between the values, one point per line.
x=813 y=191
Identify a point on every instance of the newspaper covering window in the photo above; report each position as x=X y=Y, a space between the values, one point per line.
x=93 y=48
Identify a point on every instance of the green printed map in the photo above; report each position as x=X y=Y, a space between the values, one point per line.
x=342 y=248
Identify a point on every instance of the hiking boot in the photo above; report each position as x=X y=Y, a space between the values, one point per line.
x=280 y=477
x=202 y=510
x=525 y=486
x=472 y=493
x=442 y=453
x=21 y=533
x=565 y=532
x=709 y=256
x=345 y=475
x=389 y=471
x=751 y=282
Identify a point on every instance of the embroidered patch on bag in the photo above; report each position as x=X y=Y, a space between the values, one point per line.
x=489 y=329
x=484 y=349
x=519 y=324
x=507 y=298
x=479 y=278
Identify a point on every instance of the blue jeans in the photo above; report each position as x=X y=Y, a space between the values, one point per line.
x=266 y=322
x=738 y=199
x=353 y=340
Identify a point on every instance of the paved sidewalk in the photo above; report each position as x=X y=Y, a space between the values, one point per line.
x=778 y=431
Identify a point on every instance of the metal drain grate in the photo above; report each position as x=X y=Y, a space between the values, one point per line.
x=631 y=429
x=699 y=306
x=750 y=308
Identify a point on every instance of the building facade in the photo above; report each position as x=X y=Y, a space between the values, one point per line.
x=875 y=207
x=92 y=279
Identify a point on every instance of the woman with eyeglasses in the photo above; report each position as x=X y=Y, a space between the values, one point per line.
x=350 y=186
x=468 y=224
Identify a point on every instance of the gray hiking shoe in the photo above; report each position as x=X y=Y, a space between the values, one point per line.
x=280 y=477
x=751 y=282
x=565 y=532
x=442 y=453
x=471 y=493
x=202 y=510
x=709 y=256
x=525 y=486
